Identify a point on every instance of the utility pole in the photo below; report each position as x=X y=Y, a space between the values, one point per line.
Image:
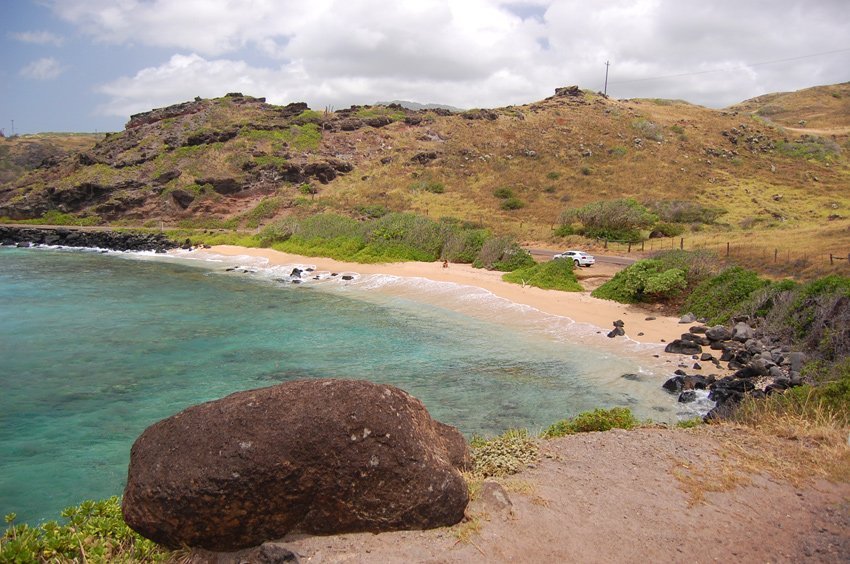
x=605 y=90
x=13 y=128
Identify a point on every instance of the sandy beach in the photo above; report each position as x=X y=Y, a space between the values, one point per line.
x=578 y=306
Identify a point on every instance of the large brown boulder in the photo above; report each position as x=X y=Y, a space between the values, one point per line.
x=318 y=456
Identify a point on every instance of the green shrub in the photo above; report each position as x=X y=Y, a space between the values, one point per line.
x=669 y=229
x=618 y=220
x=552 y=275
x=644 y=281
x=565 y=231
x=617 y=151
x=719 y=298
x=461 y=244
x=503 y=193
x=94 y=531
x=503 y=254
x=503 y=455
x=684 y=211
x=818 y=317
x=590 y=421
x=553 y=175
x=512 y=204
x=428 y=186
x=372 y=211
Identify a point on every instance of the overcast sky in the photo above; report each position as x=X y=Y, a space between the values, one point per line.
x=86 y=65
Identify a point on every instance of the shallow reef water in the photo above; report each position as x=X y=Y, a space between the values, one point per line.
x=94 y=347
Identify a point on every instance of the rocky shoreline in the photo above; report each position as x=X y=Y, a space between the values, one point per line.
x=67 y=237
x=762 y=364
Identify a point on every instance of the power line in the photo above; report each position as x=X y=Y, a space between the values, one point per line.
x=745 y=67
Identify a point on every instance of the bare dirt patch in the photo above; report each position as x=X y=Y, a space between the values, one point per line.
x=626 y=496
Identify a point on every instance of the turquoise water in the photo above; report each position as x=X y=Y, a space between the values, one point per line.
x=96 y=347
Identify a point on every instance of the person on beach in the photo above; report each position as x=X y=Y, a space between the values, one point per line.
x=445 y=263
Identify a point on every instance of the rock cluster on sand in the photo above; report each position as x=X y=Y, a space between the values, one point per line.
x=762 y=365
x=320 y=456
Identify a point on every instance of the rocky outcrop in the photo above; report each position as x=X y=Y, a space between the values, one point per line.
x=159 y=114
x=762 y=365
x=320 y=456
x=66 y=237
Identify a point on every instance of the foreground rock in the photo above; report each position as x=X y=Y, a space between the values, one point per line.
x=318 y=456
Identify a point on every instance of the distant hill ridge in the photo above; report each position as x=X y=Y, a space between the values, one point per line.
x=238 y=161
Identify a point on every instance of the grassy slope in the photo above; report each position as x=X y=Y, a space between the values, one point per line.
x=553 y=154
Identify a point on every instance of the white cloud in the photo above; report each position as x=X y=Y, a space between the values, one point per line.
x=467 y=52
x=38 y=38
x=43 y=69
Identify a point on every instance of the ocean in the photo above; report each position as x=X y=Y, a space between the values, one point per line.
x=95 y=347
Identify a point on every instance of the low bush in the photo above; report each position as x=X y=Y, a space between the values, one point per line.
x=512 y=204
x=94 y=531
x=644 y=281
x=506 y=454
x=668 y=229
x=503 y=193
x=614 y=220
x=503 y=254
x=428 y=186
x=552 y=275
x=722 y=296
x=590 y=421
x=817 y=317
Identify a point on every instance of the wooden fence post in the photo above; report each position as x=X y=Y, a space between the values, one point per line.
x=682 y=244
x=727 y=248
x=775 y=254
x=830 y=258
x=630 y=247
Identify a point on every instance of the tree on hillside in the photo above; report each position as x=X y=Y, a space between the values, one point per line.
x=615 y=220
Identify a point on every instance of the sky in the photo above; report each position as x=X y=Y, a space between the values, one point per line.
x=87 y=65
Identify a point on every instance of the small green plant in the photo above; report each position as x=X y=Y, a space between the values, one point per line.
x=677 y=129
x=512 y=204
x=506 y=454
x=431 y=186
x=372 y=211
x=586 y=170
x=553 y=175
x=503 y=193
x=590 y=421
x=94 y=531
x=617 y=151
x=690 y=423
